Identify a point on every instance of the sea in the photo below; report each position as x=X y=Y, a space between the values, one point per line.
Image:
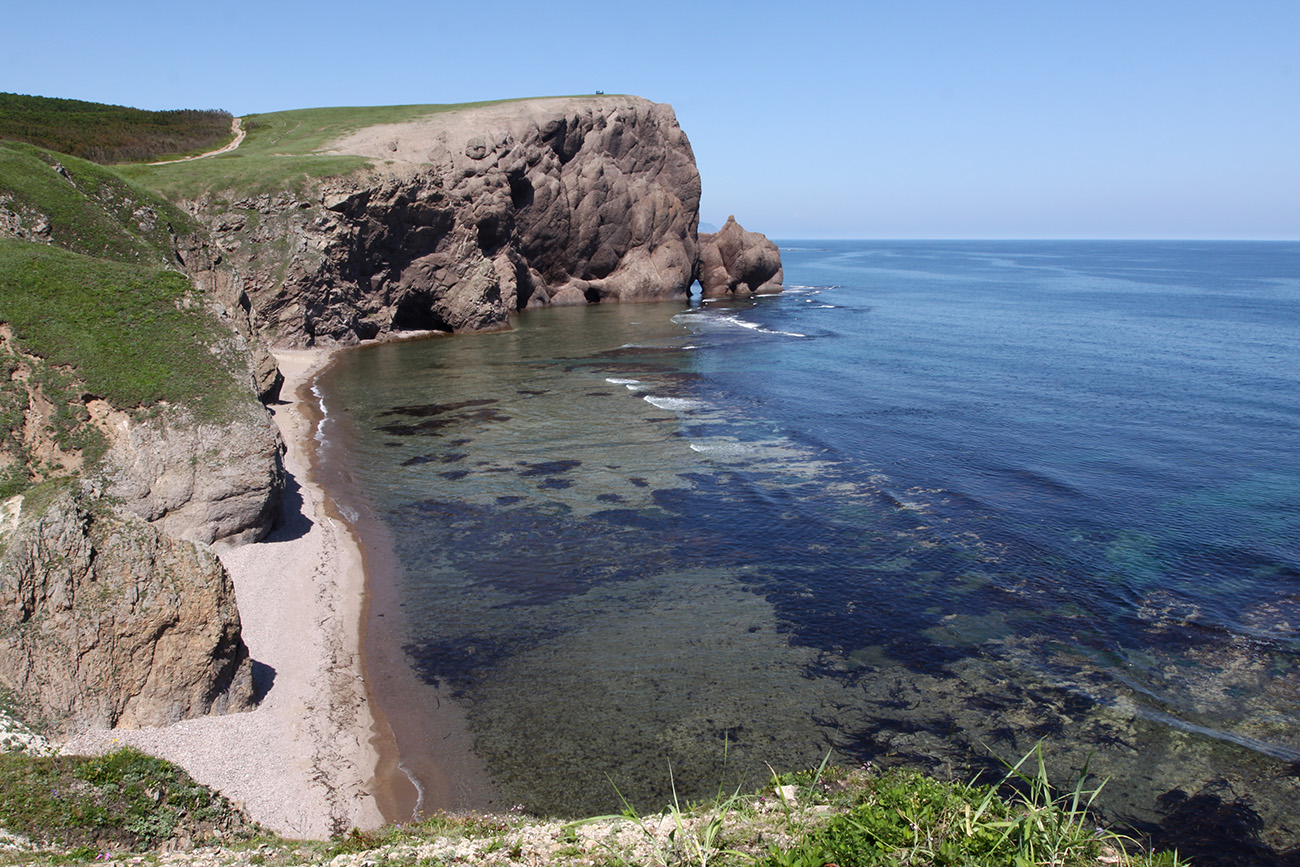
x=938 y=505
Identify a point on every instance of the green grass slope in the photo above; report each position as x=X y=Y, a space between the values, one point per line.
x=280 y=151
x=89 y=209
x=92 y=306
x=110 y=133
x=135 y=337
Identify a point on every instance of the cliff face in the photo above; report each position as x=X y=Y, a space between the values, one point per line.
x=130 y=437
x=109 y=622
x=469 y=216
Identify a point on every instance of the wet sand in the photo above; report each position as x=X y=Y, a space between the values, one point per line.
x=425 y=755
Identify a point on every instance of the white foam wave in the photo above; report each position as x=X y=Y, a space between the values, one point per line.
x=324 y=413
x=726 y=449
x=754 y=326
x=419 y=790
x=674 y=404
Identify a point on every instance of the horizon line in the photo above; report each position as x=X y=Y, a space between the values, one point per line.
x=1152 y=239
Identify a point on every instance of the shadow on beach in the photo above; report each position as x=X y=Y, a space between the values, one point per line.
x=294 y=522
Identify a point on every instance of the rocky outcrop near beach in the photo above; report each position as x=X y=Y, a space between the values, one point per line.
x=106 y=621
x=131 y=439
x=199 y=481
x=469 y=216
x=736 y=262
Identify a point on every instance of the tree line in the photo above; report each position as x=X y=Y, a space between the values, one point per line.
x=109 y=133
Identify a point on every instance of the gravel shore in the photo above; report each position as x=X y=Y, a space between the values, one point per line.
x=301 y=763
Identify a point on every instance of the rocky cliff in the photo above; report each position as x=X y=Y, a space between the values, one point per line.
x=130 y=436
x=469 y=216
x=109 y=622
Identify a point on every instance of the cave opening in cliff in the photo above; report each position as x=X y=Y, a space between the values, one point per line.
x=491 y=236
x=416 y=314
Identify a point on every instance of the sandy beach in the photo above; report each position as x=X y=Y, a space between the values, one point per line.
x=302 y=762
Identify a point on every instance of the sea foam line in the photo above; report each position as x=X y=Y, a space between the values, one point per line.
x=754 y=326
x=324 y=413
x=674 y=404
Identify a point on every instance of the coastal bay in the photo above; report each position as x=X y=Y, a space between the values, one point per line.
x=928 y=506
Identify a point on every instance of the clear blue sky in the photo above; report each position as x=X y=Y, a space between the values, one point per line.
x=838 y=119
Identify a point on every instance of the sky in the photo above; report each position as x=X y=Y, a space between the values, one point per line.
x=866 y=119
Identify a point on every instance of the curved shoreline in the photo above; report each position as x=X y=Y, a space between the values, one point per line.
x=424 y=752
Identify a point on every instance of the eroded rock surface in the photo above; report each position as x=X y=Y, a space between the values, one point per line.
x=202 y=482
x=736 y=262
x=106 y=621
x=469 y=216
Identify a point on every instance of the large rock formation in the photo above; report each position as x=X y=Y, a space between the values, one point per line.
x=110 y=613
x=736 y=262
x=471 y=215
x=199 y=481
x=105 y=621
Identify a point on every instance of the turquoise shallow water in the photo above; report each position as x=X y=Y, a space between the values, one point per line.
x=933 y=503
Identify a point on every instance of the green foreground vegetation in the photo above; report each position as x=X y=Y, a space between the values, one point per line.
x=126 y=807
x=122 y=801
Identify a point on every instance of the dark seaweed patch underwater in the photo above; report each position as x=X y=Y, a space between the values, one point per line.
x=934 y=503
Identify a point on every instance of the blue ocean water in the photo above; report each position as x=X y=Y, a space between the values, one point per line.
x=933 y=503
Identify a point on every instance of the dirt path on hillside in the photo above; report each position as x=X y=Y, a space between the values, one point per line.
x=236 y=127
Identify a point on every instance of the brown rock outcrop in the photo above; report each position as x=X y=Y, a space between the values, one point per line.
x=475 y=214
x=203 y=482
x=736 y=262
x=105 y=621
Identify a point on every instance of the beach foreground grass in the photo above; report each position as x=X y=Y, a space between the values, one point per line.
x=128 y=808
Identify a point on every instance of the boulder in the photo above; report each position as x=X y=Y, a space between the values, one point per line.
x=107 y=622
x=212 y=482
x=736 y=262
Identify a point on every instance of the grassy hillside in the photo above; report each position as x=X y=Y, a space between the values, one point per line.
x=110 y=133
x=133 y=336
x=92 y=306
x=87 y=208
x=279 y=152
